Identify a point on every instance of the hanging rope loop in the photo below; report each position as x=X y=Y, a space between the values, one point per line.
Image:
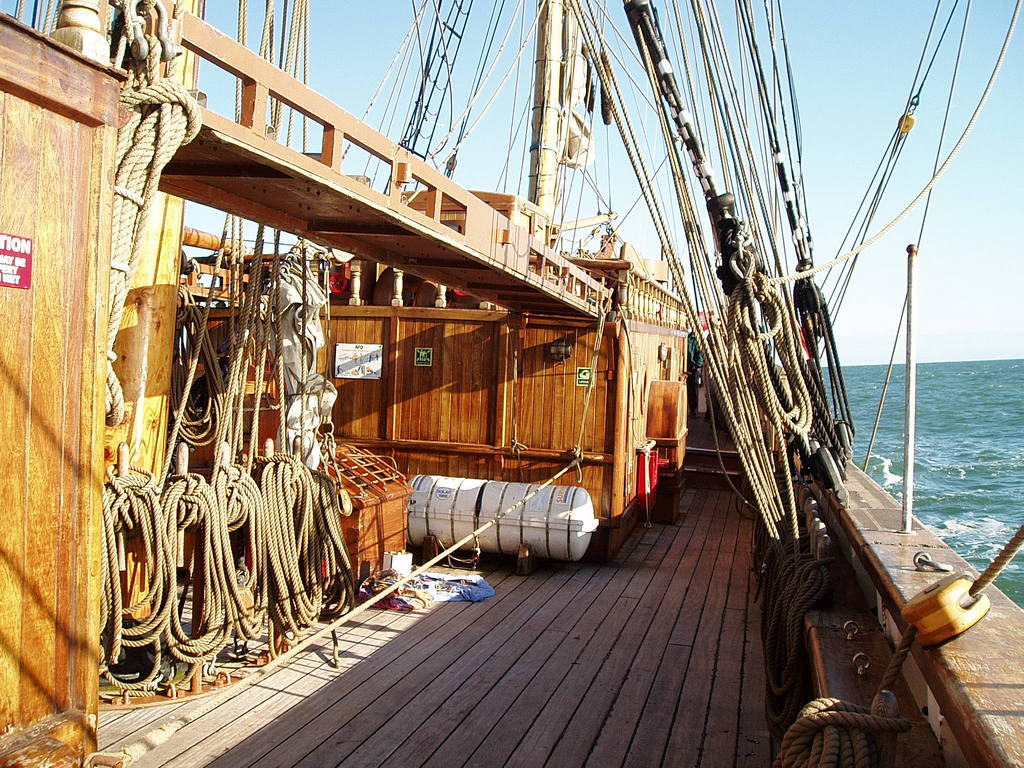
x=163 y=117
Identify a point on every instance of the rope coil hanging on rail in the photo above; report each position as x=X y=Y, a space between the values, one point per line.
x=163 y=117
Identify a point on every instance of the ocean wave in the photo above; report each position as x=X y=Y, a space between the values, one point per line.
x=883 y=465
x=978 y=539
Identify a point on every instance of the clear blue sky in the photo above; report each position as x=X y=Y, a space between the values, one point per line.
x=853 y=65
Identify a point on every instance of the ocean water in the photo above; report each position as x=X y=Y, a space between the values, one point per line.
x=969 y=468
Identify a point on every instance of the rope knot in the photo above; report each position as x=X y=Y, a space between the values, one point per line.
x=832 y=732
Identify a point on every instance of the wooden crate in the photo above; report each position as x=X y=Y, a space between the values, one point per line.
x=380 y=499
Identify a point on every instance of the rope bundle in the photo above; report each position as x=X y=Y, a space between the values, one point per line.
x=831 y=732
x=307 y=562
x=792 y=583
x=189 y=501
x=163 y=117
x=131 y=505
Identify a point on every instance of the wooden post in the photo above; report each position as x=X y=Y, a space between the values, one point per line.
x=356 y=283
x=144 y=344
x=398 y=286
x=79 y=27
x=621 y=406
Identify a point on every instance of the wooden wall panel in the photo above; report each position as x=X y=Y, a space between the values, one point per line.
x=359 y=410
x=54 y=189
x=468 y=408
x=452 y=400
x=551 y=404
x=19 y=181
x=444 y=464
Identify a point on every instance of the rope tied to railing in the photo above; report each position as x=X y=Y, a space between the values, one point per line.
x=832 y=732
x=163 y=117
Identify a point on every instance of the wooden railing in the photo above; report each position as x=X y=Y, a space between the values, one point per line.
x=488 y=235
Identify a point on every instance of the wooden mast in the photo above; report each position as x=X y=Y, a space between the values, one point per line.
x=144 y=344
x=545 y=153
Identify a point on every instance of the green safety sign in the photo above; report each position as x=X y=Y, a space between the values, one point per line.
x=424 y=357
x=584 y=377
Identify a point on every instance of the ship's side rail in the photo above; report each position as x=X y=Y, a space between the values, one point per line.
x=241 y=167
x=971 y=688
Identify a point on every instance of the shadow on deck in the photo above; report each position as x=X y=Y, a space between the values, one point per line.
x=653 y=659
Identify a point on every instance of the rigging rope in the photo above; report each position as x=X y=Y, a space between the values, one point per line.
x=997 y=68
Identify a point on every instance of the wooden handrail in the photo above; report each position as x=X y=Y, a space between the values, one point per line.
x=262 y=81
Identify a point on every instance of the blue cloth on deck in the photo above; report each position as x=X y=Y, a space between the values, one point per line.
x=449 y=588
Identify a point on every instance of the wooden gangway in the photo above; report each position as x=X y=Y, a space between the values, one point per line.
x=236 y=167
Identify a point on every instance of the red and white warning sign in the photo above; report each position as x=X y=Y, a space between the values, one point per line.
x=15 y=261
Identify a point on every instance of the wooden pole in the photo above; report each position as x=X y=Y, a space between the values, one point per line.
x=544 y=149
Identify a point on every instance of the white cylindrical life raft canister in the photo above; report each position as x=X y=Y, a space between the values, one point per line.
x=556 y=523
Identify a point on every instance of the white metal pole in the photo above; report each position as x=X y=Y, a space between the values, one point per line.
x=910 y=408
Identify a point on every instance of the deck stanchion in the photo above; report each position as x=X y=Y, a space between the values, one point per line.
x=910 y=407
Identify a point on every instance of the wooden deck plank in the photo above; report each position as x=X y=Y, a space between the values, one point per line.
x=236 y=718
x=686 y=738
x=572 y=666
x=367 y=639
x=539 y=717
x=289 y=735
x=296 y=731
x=722 y=730
x=689 y=616
x=469 y=650
x=459 y=746
x=462 y=717
x=472 y=675
x=659 y=712
x=753 y=743
x=115 y=731
x=626 y=717
x=592 y=717
x=118 y=726
x=718 y=749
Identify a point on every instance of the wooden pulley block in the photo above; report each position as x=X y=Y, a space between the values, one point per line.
x=945 y=609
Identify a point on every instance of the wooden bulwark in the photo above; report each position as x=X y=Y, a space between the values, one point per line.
x=56 y=145
x=975 y=680
x=237 y=168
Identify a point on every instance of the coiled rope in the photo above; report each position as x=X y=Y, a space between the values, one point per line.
x=131 y=505
x=831 y=732
x=163 y=733
x=792 y=582
x=163 y=117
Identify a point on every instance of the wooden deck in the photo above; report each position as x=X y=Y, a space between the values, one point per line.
x=652 y=660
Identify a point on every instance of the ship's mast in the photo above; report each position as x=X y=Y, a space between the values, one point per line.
x=544 y=145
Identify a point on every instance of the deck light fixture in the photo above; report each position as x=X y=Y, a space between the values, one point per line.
x=560 y=350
